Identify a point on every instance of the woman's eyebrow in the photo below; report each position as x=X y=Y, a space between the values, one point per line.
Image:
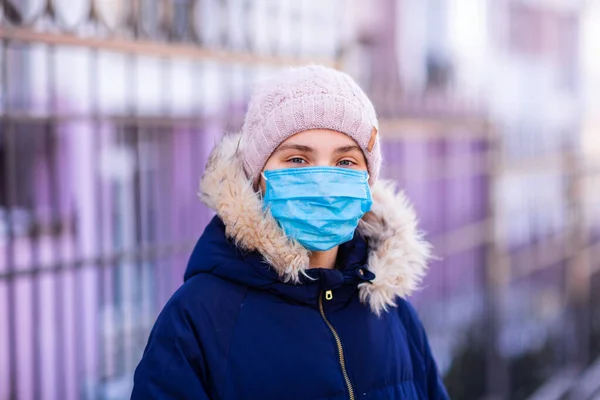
x=292 y=146
x=346 y=149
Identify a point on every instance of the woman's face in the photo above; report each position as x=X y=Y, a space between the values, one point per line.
x=316 y=148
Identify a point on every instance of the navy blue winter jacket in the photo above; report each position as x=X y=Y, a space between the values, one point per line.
x=252 y=322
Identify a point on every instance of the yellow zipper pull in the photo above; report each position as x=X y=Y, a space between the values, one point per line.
x=328 y=295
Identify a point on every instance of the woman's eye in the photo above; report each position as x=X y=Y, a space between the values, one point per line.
x=297 y=160
x=346 y=163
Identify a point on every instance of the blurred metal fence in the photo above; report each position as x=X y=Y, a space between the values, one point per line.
x=504 y=308
x=108 y=112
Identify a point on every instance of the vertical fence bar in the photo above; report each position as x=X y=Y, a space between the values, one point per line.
x=166 y=135
x=119 y=273
x=29 y=135
x=34 y=244
x=159 y=225
x=142 y=292
x=443 y=179
x=79 y=330
x=79 y=265
x=124 y=268
x=578 y=271
x=138 y=259
x=10 y=183
x=60 y=274
x=100 y=262
x=496 y=270
x=132 y=139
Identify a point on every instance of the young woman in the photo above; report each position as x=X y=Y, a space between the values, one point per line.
x=296 y=289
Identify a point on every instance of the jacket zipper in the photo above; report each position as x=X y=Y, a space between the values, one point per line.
x=338 y=342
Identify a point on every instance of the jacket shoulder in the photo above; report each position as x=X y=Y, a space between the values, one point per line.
x=412 y=323
x=187 y=349
x=408 y=313
x=205 y=292
x=427 y=378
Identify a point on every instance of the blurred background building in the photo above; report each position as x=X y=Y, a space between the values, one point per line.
x=490 y=114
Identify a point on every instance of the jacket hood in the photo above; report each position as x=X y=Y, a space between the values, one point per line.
x=397 y=254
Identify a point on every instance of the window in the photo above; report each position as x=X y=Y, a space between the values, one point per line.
x=525 y=30
x=21 y=158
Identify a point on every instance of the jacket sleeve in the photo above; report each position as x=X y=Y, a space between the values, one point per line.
x=172 y=366
x=421 y=350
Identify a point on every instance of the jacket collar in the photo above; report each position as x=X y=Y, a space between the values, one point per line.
x=397 y=254
x=219 y=256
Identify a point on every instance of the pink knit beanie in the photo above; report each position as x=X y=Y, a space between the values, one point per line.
x=304 y=98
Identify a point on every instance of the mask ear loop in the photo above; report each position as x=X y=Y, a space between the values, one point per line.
x=259 y=191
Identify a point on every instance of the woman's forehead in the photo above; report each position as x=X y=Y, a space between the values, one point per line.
x=318 y=140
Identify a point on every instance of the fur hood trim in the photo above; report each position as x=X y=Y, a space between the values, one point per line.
x=398 y=254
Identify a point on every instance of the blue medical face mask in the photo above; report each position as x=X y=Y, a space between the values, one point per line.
x=318 y=206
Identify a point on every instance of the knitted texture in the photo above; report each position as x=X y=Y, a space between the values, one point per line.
x=303 y=98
